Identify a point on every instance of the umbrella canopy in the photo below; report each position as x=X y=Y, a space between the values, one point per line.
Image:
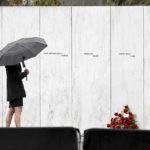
x=21 y=50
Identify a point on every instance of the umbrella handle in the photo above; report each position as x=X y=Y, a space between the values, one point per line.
x=26 y=78
x=25 y=68
x=23 y=64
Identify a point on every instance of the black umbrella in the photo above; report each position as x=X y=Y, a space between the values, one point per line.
x=21 y=50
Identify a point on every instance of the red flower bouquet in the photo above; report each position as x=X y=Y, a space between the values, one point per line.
x=123 y=120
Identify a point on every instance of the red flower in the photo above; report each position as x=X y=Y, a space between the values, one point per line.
x=126 y=118
x=127 y=127
x=129 y=122
x=118 y=127
x=131 y=117
x=122 y=118
x=125 y=123
x=115 y=118
x=116 y=123
x=116 y=114
x=134 y=126
x=120 y=122
x=125 y=110
x=119 y=115
x=112 y=123
x=108 y=125
x=130 y=113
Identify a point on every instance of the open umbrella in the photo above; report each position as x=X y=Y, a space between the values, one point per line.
x=21 y=50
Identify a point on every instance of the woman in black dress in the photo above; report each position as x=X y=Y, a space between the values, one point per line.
x=15 y=93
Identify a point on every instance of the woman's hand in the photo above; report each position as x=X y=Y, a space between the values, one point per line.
x=27 y=71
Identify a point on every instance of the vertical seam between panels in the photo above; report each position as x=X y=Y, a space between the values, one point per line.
x=71 y=61
x=110 y=70
x=40 y=67
x=143 y=71
x=2 y=69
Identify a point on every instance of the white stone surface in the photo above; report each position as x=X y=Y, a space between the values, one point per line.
x=146 y=103
x=20 y=22
x=67 y=86
x=56 y=66
x=91 y=66
x=1 y=74
x=127 y=59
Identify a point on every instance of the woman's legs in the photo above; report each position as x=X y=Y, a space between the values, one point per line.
x=18 y=111
x=9 y=116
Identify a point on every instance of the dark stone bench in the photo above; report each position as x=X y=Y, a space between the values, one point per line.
x=68 y=138
x=113 y=139
x=57 y=138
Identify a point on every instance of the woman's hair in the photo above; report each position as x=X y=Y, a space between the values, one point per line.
x=15 y=67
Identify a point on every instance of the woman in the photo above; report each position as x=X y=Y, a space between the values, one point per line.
x=15 y=93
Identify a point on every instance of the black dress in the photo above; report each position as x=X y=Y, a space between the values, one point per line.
x=16 y=102
x=15 y=87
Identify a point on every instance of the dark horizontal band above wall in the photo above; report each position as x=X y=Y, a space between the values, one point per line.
x=81 y=2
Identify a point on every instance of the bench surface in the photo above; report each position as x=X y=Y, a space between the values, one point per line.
x=114 y=139
x=57 y=138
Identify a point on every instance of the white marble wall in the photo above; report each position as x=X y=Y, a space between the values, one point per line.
x=127 y=59
x=1 y=74
x=18 y=22
x=56 y=101
x=146 y=64
x=97 y=61
x=91 y=66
